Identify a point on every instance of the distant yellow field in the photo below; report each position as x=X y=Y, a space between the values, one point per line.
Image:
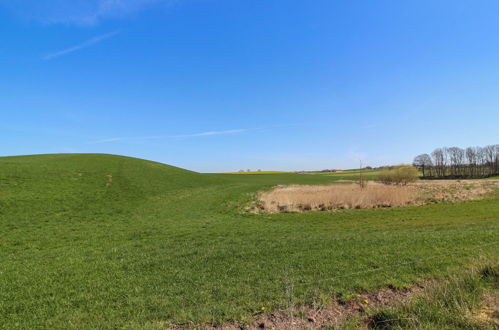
x=257 y=172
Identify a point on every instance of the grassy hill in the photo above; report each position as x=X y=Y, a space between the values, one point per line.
x=102 y=241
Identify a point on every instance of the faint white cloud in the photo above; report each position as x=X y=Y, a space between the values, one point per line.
x=106 y=140
x=371 y=126
x=141 y=138
x=83 y=45
x=82 y=12
x=210 y=133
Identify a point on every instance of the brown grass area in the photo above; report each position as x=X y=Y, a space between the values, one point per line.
x=488 y=313
x=455 y=190
x=298 y=198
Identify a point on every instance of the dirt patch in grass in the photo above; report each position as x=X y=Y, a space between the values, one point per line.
x=334 y=315
x=433 y=303
x=488 y=313
x=299 y=198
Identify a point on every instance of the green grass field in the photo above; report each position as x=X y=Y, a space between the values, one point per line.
x=258 y=172
x=350 y=174
x=100 y=241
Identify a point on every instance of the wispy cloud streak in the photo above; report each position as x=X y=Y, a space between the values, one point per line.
x=141 y=138
x=117 y=139
x=210 y=133
x=81 y=46
x=79 y=12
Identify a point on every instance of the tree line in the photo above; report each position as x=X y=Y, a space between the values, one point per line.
x=455 y=162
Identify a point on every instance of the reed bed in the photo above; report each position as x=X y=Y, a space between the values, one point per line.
x=299 y=198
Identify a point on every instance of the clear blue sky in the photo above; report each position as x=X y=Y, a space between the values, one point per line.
x=219 y=85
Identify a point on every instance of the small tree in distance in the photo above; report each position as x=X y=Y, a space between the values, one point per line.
x=400 y=175
x=423 y=162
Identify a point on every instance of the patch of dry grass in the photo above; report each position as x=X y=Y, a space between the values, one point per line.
x=455 y=190
x=298 y=198
x=488 y=311
x=347 y=196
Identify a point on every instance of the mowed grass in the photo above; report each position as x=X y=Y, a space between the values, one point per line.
x=100 y=241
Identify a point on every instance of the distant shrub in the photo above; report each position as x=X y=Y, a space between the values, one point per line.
x=401 y=175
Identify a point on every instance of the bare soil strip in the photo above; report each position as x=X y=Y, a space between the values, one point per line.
x=335 y=314
x=308 y=317
x=357 y=308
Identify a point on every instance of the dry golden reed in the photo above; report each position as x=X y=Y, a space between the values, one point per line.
x=346 y=196
x=298 y=198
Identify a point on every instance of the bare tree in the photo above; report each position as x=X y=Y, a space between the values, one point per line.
x=456 y=157
x=496 y=160
x=481 y=161
x=461 y=161
x=471 y=158
x=457 y=162
x=439 y=161
x=423 y=162
x=489 y=155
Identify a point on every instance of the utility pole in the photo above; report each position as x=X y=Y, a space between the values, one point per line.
x=361 y=179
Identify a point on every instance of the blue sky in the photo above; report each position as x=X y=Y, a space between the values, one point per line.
x=221 y=85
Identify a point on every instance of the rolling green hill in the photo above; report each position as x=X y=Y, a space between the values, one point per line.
x=102 y=241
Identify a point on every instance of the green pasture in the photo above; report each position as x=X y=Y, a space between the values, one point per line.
x=101 y=241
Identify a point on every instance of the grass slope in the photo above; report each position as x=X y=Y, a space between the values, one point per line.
x=104 y=241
